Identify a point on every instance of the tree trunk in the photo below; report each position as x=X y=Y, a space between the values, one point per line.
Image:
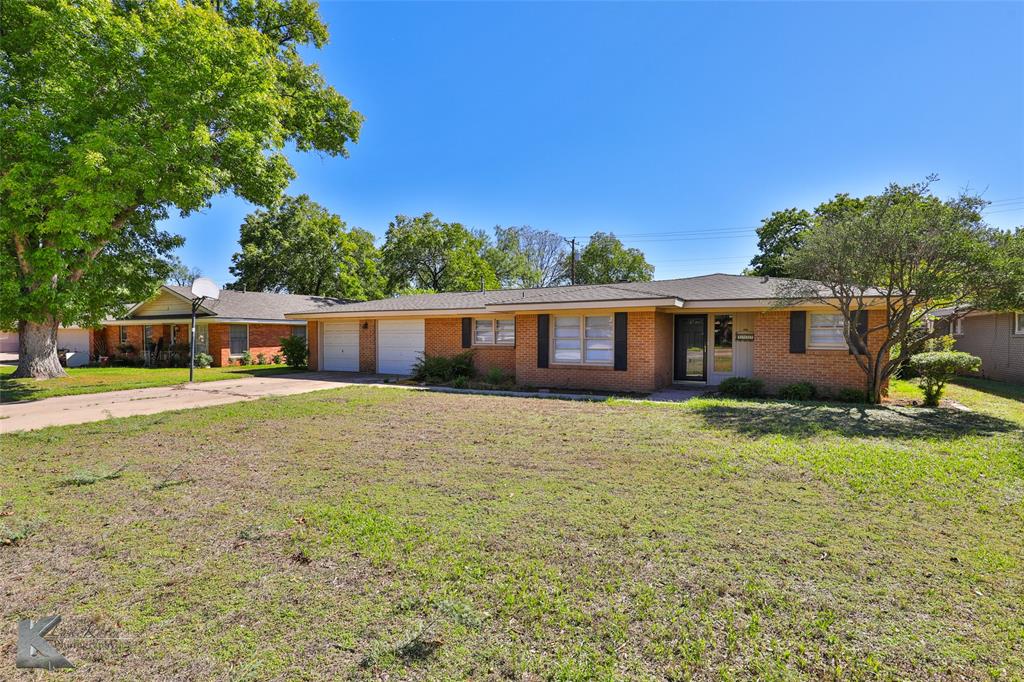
x=37 y=351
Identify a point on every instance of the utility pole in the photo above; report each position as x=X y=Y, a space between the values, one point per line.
x=572 y=260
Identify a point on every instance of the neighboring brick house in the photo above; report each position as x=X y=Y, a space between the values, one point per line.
x=996 y=338
x=237 y=322
x=635 y=337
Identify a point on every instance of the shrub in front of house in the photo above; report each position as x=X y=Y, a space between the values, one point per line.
x=295 y=351
x=203 y=360
x=276 y=359
x=801 y=390
x=441 y=369
x=851 y=395
x=935 y=368
x=742 y=387
x=246 y=358
x=496 y=376
x=261 y=359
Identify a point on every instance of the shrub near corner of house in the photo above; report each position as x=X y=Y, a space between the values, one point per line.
x=741 y=387
x=441 y=369
x=295 y=351
x=937 y=367
x=203 y=360
x=801 y=390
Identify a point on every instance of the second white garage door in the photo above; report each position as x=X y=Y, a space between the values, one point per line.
x=341 y=346
x=399 y=345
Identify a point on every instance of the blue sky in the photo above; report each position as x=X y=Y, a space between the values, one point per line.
x=676 y=126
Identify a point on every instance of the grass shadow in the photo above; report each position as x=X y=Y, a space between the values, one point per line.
x=16 y=390
x=806 y=420
x=1001 y=389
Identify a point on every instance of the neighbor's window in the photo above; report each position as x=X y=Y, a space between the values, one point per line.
x=958 y=326
x=299 y=331
x=239 y=338
x=586 y=339
x=122 y=335
x=491 y=332
x=1018 y=323
x=826 y=330
x=723 y=343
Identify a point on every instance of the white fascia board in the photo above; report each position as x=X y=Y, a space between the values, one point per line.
x=766 y=303
x=583 y=305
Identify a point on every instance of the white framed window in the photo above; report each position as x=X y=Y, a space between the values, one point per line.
x=1018 y=323
x=239 y=338
x=122 y=335
x=587 y=339
x=825 y=331
x=493 y=332
x=958 y=327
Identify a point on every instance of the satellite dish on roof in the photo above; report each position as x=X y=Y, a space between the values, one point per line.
x=204 y=287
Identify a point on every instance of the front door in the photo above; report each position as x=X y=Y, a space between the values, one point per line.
x=691 y=350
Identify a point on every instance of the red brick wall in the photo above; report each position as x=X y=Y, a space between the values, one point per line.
x=443 y=336
x=644 y=373
x=263 y=338
x=368 y=346
x=664 y=355
x=828 y=370
x=313 y=344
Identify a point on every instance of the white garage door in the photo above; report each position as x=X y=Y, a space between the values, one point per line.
x=77 y=343
x=341 y=346
x=399 y=345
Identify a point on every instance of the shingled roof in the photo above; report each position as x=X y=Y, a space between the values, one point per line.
x=257 y=305
x=716 y=287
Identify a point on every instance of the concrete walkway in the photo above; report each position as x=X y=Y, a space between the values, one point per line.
x=91 y=407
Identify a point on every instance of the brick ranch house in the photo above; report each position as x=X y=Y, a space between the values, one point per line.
x=239 y=321
x=635 y=337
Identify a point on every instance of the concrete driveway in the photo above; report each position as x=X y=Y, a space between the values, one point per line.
x=91 y=407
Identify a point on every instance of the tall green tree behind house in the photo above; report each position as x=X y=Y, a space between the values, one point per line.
x=779 y=234
x=426 y=254
x=298 y=246
x=116 y=113
x=181 y=274
x=604 y=260
x=524 y=256
x=912 y=249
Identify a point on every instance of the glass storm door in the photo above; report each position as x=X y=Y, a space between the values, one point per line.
x=691 y=348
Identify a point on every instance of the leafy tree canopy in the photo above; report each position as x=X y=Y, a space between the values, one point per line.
x=115 y=113
x=427 y=254
x=779 y=234
x=182 y=274
x=298 y=246
x=913 y=252
x=605 y=260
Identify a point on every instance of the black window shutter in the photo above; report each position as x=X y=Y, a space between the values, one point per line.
x=620 y=342
x=543 y=329
x=797 y=331
x=860 y=324
x=467 y=332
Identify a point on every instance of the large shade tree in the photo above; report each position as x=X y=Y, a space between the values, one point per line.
x=913 y=252
x=114 y=113
x=525 y=256
x=427 y=254
x=779 y=235
x=300 y=247
x=604 y=260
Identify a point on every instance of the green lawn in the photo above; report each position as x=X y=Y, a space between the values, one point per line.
x=101 y=379
x=382 y=533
